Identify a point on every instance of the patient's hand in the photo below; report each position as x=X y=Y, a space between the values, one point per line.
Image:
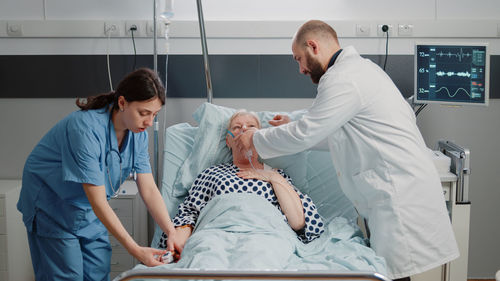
x=259 y=174
x=288 y=198
x=279 y=119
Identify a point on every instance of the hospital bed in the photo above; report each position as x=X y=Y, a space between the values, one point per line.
x=188 y=150
x=341 y=253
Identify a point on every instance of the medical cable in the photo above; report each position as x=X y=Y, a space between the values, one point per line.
x=45 y=9
x=132 y=29
x=164 y=123
x=420 y=109
x=107 y=59
x=385 y=28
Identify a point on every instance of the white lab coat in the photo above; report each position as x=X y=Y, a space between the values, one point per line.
x=381 y=160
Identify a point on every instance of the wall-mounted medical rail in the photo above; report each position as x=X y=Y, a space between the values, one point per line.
x=460 y=166
x=153 y=273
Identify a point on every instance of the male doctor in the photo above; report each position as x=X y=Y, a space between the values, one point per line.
x=381 y=160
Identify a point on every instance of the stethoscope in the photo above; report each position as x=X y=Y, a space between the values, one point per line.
x=115 y=150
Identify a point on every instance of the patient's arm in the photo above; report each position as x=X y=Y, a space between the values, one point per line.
x=313 y=223
x=288 y=199
x=183 y=233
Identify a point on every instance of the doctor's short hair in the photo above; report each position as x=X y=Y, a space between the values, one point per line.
x=140 y=85
x=314 y=28
x=243 y=112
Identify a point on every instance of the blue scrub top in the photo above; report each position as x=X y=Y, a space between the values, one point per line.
x=71 y=153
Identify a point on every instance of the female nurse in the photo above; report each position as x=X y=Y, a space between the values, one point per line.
x=77 y=167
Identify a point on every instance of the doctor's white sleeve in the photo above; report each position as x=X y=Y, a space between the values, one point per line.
x=337 y=102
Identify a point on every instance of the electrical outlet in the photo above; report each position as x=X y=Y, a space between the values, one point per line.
x=363 y=30
x=138 y=28
x=14 y=29
x=382 y=33
x=405 y=29
x=112 y=28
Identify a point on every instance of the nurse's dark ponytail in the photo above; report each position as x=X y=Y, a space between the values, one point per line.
x=95 y=102
x=141 y=85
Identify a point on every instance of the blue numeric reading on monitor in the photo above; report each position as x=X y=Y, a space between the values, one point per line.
x=453 y=74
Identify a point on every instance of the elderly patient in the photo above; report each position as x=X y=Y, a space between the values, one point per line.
x=243 y=176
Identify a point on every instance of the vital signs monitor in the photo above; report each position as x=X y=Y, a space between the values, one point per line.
x=452 y=73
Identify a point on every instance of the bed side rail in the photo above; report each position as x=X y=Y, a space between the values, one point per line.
x=460 y=166
x=153 y=273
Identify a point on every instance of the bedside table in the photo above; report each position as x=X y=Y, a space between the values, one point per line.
x=15 y=258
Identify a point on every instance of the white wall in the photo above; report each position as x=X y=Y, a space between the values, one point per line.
x=26 y=120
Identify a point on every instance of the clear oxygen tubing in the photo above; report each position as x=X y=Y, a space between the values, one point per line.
x=249 y=157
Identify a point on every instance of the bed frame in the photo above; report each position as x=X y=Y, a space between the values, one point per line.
x=246 y=275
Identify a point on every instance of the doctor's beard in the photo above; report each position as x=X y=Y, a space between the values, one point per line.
x=315 y=69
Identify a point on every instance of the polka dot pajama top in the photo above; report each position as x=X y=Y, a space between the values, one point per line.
x=222 y=179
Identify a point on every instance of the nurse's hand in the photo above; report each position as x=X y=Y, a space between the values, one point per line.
x=279 y=119
x=244 y=141
x=149 y=256
x=172 y=240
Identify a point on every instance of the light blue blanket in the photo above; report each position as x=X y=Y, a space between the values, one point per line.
x=245 y=232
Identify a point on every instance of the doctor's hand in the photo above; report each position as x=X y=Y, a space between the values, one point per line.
x=279 y=119
x=244 y=141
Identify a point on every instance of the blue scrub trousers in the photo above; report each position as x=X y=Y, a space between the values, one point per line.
x=75 y=259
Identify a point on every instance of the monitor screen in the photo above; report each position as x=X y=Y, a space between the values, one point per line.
x=451 y=73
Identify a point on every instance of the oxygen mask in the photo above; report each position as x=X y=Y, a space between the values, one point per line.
x=248 y=153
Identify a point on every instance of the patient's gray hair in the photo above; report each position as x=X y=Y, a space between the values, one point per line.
x=243 y=112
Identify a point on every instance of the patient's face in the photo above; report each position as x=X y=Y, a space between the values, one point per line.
x=242 y=123
x=239 y=125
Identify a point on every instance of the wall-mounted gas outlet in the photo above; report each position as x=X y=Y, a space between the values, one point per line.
x=112 y=29
x=160 y=29
x=14 y=29
x=363 y=30
x=380 y=31
x=405 y=29
x=136 y=25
